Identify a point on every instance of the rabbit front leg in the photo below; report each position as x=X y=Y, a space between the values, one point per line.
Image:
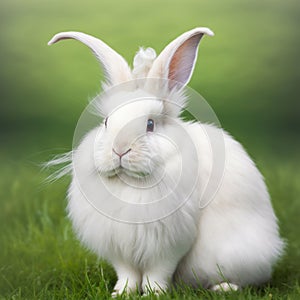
x=158 y=278
x=129 y=279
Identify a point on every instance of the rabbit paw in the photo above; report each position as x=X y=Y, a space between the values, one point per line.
x=124 y=287
x=154 y=287
x=225 y=287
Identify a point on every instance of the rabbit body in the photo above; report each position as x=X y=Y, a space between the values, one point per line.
x=236 y=233
x=188 y=236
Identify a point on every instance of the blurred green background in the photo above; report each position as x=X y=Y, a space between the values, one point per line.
x=249 y=73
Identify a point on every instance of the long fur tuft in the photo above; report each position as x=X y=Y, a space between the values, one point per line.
x=142 y=62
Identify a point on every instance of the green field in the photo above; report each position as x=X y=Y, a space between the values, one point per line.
x=249 y=73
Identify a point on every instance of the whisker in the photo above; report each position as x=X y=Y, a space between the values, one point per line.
x=64 y=159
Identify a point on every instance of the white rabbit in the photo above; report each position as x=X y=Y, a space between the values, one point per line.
x=132 y=199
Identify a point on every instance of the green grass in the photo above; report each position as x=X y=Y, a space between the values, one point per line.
x=41 y=259
x=249 y=73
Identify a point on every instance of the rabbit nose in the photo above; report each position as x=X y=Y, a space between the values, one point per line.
x=124 y=153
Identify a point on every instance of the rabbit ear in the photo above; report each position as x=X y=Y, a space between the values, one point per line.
x=115 y=67
x=176 y=62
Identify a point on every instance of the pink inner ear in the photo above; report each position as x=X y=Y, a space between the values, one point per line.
x=182 y=62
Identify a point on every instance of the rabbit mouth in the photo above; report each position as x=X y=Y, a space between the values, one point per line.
x=121 y=171
x=135 y=174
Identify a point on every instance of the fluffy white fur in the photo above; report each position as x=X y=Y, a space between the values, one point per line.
x=233 y=239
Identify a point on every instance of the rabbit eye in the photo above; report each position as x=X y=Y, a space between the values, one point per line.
x=150 y=125
x=105 y=122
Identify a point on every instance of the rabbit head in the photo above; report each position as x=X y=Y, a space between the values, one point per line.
x=140 y=107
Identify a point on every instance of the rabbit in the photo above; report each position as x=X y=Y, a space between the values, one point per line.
x=138 y=196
